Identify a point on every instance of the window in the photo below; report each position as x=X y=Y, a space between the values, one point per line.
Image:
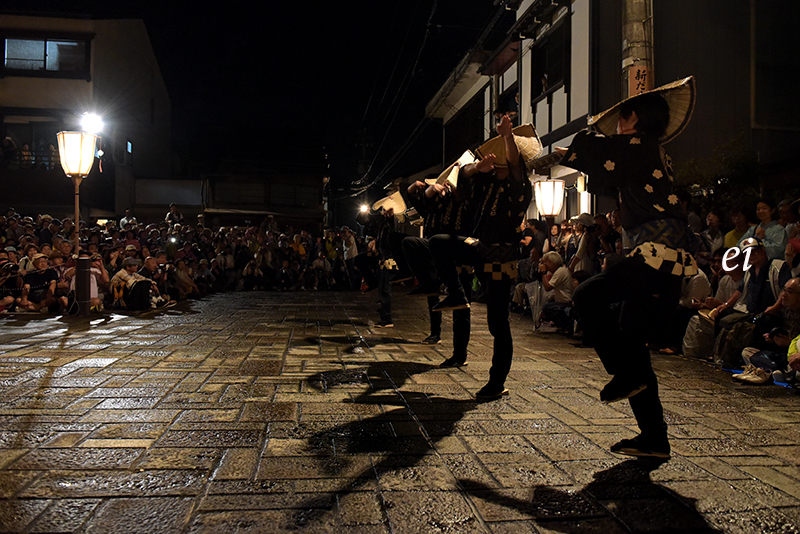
x=51 y=56
x=550 y=57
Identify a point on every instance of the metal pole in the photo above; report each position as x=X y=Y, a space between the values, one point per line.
x=83 y=266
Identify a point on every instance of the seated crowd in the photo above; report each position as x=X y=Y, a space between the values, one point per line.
x=755 y=285
x=135 y=266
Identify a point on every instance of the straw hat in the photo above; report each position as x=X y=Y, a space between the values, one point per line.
x=680 y=95
x=450 y=174
x=394 y=201
x=527 y=141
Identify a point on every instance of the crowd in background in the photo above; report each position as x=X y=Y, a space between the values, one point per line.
x=183 y=261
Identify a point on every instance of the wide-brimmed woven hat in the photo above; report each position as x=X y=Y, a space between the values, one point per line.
x=394 y=201
x=528 y=144
x=680 y=95
x=450 y=174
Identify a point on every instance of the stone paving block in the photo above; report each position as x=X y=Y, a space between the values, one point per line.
x=130 y=416
x=238 y=464
x=658 y=515
x=65 y=515
x=184 y=458
x=571 y=446
x=790 y=454
x=136 y=515
x=15 y=515
x=760 y=521
x=12 y=482
x=77 y=458
x=225 y=437
x=412 y=478
x=429 y=512
x=777 y=478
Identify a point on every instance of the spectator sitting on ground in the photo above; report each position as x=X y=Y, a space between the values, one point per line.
x=252 y=276
x=184 y=282
x=10 y=283
x=130 y=290
x=556 y=285
x=562 y=314
x=759 y=290
x=98 y=280
x=285 y=277
x=694 y=293
x=321 y=269
x=39 y=286
x=527 y=272
x=204 y=277
x=771 y=354
x=26 y=261
x=153 y=271
x=728 y=281
x=57 y=263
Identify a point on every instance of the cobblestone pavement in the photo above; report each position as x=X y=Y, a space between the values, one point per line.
x=273 y=412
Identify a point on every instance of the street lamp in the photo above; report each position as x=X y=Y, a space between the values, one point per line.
x=76 y=150
x=549 y=197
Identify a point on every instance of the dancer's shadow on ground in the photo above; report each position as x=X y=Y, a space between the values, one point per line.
x=326 y=321
x=357 y=344
x=626 y=488
x=393 y=440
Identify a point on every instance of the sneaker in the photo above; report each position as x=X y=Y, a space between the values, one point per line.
x=454 y=361
x=384 y=324
x=490 y=392
x=619 y=389
x=451 y=303
x=641 y=447
x=787 y=376
x=424 y=291
x=431 y=340
x=747 y=371
x=758 y=377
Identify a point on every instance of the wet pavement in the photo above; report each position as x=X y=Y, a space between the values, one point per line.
x=287 y=412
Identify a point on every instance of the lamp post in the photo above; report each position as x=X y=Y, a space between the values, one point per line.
x=549 y=197
x=76 y=150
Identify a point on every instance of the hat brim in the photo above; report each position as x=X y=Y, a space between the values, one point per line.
x=526 y=139
x=680 y=96
x=394 y=201
x=450 y=174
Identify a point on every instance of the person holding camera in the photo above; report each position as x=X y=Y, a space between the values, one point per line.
x=10 y=283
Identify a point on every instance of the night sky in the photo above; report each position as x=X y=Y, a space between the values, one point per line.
x=312 y=74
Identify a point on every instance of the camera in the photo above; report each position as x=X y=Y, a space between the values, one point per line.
x=9 y=267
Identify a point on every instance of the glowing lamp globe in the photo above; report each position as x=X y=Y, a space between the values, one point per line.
x=76 y=150
x=549 y=197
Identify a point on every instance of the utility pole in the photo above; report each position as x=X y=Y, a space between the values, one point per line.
x=637 y=47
